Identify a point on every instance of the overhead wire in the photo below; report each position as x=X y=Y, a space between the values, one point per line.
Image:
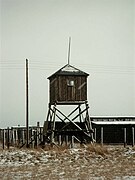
x=39 y=65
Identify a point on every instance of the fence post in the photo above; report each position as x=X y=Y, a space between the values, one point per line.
x=59 y=139
x=133 y=137
x=13 y=138
x=66 y=140
x=8 y=138
x=33 y=138
x=0 y=134
x=23 y=137
x=102 y=136
x=40 y=134
x=3 y=138
x=16 y=137
x=125 y=137
x=72 y=141
x=38 y=130
x=95 y=134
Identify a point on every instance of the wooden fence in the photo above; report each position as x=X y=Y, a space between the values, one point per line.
x=16 y=137
x=106 y=130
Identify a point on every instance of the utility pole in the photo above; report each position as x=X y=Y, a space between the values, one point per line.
x=27 y=106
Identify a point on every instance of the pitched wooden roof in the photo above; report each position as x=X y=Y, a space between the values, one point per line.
x=69 y=70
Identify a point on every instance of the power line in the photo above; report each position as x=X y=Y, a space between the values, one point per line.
x=52 y=65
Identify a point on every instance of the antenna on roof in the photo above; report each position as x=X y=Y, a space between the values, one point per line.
x=69 y=50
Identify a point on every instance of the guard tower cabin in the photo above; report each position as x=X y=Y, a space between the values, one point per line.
x=68 y=86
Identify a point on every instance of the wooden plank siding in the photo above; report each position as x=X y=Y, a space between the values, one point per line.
x=53 y=89
x=62 y=91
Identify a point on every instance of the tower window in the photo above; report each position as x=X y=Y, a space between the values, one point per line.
x=70 y=83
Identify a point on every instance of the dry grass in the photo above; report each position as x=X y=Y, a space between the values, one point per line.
x=91 y=148
x=98 y=149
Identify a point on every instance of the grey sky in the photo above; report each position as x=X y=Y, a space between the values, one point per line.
x=103 y=44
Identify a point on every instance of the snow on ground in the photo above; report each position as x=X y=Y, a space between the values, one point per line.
x=91 y=162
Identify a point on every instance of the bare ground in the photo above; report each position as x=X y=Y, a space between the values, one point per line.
x=81 y=163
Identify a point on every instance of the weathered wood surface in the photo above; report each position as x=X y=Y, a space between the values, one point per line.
x=62 y=91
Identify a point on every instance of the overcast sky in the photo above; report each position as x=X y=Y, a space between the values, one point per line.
x=103 y=45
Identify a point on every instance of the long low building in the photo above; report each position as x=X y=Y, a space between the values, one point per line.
x=114 y=129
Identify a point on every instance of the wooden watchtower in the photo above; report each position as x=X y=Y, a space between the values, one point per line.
x=68 y=87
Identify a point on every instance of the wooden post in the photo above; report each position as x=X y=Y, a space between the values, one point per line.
x=66 y=140
x=38 y=130
x=27 y=106
x=41 y=134
x=0 y=134
x=17 y=140
x=32 y=138
x=23 y=136
x=53 y=128
x=13 y=137
x=59 y=140
x=80 y=114
x=102 y=136
x=125 y=137
x=3 y=138
x=38 y=124
x=95 y=134
x=8 y=138
x=72 y=142
x=133 y=137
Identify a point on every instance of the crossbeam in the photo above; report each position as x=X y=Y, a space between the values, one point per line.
x=74 y=118
x=71 y=121
x=81 y=132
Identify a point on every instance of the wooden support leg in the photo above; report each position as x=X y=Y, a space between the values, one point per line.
x=80 y=114
x=53 y=126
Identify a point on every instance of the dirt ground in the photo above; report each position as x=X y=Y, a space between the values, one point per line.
x=80 y=163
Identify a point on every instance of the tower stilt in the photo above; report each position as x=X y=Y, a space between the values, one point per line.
x=65 y=125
